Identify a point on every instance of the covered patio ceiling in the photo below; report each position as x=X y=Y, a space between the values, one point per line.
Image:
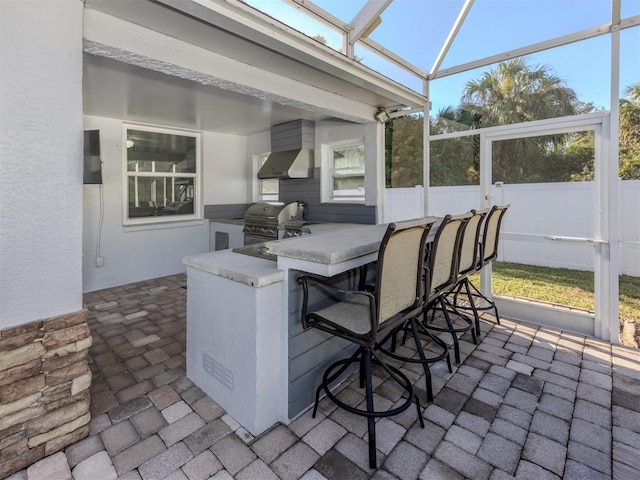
x=375 y=53
x=244 y=77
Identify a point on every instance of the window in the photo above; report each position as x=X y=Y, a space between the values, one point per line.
x=161 y=175
x=269 y=188
x=347 y=171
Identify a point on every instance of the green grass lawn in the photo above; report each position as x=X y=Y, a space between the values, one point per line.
x=560 y=286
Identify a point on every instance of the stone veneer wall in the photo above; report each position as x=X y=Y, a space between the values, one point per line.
x=44 y=389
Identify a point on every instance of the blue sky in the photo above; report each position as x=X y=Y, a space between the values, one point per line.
x=416 y=30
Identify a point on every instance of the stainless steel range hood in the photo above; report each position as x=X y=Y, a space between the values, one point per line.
x=296 y=163
x=292 y=145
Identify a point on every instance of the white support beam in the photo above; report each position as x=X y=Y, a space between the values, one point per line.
x=365 y=18
x=247 y=22
x=378 y=49
x=406 y=111
x=464 y=11
x=547 y=126
x=536 y=47
x=615 y=12
x=426 y=158
x=111 y=37
x=610 y=292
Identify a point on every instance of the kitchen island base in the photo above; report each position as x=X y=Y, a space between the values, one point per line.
x=234 y=346
x=246 y=348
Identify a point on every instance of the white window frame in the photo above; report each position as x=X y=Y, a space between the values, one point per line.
x=328 y=195
x=259 y=160
x=197 y=178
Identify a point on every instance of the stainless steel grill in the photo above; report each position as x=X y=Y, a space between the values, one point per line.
x=265 y=221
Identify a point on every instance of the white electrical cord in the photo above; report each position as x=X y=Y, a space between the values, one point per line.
x=99 y=235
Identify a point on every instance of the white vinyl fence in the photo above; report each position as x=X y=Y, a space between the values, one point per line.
x=538 y=211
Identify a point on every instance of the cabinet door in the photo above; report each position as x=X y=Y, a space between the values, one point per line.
x=225 y=235
x=221 y=240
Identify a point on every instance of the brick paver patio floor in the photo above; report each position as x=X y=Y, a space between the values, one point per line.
x=527 y=402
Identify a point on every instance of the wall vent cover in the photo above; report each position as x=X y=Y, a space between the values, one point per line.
x=218 y=371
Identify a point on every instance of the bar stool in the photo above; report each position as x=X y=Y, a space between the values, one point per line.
x=443 y=261
x=362 y=317
x=488 y=251
x=468 y=264
x=438 y=281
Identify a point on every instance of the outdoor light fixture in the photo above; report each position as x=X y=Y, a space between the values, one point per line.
x=381 y=115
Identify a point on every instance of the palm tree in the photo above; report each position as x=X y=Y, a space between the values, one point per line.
x=630 y=117
x=516 y=92
x=633 y=93
x=450 y=119
x=630 y=133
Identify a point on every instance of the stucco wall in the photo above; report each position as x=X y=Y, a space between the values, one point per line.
x=140 y=253
x=40 y=160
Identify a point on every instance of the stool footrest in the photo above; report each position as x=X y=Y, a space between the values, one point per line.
x=364 y=356
x=405 y=384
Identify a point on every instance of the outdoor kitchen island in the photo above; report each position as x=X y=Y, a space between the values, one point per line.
x=245 y=344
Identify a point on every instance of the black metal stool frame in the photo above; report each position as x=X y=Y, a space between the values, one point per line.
x=437 y=292
x=487 y=252
x=385 y=313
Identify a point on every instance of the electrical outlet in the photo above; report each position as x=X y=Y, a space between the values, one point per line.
x=99 y=261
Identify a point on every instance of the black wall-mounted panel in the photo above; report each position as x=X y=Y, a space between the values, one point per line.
x=92 y=163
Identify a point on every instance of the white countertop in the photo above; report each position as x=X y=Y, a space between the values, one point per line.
x=308 y=226
x=332 y=247
x=251 y=271
x=339 y=244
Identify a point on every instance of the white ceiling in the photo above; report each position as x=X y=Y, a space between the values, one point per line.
x=130 y=91
x=249 y=37
x=118 y=90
